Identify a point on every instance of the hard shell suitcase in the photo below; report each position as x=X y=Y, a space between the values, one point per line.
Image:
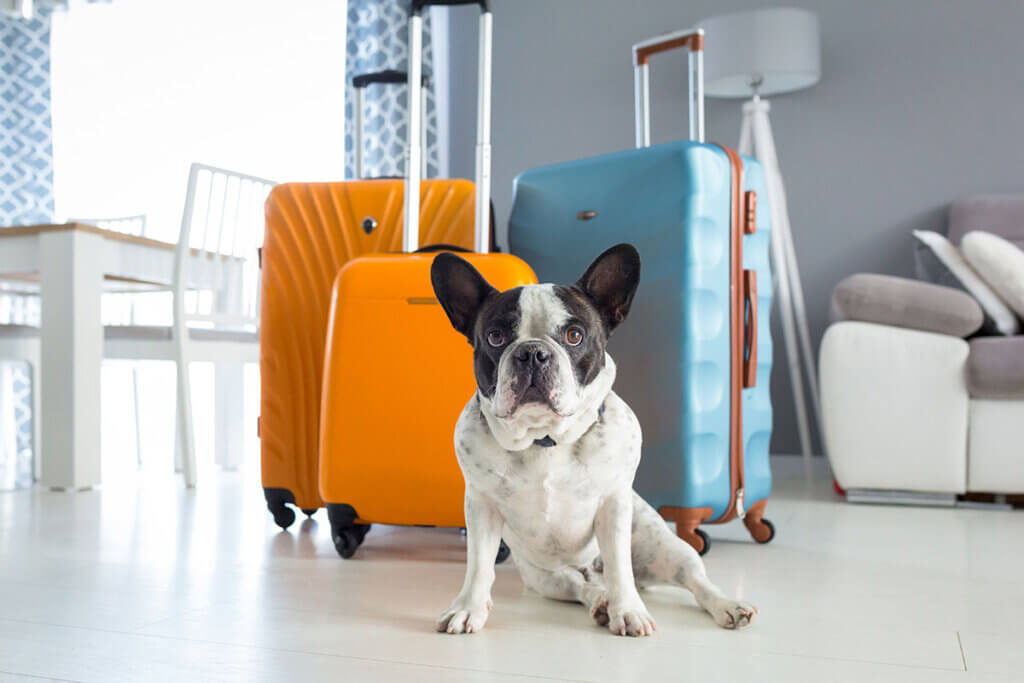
x=396 y=375
x=312 y=230
x=695 y=357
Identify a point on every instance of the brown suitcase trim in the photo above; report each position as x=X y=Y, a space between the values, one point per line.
x=736 y=337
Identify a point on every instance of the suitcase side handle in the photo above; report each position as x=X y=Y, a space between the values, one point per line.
x=414 y=151
x=750 y=329
x=693 y=39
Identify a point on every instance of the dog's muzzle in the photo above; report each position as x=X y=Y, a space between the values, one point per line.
x=531 y=364
x=531 y=374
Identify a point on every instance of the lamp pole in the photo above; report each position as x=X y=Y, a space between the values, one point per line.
x=756 y=140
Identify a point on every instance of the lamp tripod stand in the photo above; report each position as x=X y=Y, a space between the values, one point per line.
x=756 y=141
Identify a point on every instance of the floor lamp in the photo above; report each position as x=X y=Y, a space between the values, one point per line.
x=767 y=52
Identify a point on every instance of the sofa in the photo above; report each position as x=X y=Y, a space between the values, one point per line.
x=920 y=402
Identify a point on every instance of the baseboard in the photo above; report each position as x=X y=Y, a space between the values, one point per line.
x=916 y=498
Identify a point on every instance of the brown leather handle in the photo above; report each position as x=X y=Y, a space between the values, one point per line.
x=690 y=38
x=750 y=345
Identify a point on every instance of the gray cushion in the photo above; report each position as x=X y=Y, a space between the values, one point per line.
x=995 y=368
x=900 y=302
x=1002 y=215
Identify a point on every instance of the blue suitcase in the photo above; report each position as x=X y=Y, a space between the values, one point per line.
x=695 y=355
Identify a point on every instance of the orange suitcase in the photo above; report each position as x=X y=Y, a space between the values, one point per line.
x=312 y=230
x=389 y=408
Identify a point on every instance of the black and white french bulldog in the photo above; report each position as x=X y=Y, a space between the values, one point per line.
x=549 y=452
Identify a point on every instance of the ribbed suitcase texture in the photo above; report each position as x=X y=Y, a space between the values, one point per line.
x=673 y=202
x=312 y=230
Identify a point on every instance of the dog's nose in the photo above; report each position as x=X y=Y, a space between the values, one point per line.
x=534 y=355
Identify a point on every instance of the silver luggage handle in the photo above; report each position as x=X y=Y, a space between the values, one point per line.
x=360 y=83
x=693 y=39
x=414 y=150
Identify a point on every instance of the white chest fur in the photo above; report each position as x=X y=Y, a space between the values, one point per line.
x=549 y=496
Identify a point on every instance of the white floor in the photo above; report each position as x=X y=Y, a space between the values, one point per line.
x=144 y=581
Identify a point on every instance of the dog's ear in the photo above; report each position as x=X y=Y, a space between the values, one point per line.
x=461 y=289
x=610 y=283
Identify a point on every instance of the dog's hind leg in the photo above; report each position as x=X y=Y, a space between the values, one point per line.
x=661 y=557
x=570 y=584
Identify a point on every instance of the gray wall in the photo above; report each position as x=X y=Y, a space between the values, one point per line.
x=920 y=102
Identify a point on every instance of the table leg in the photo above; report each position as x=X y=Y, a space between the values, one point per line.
x=71 y=285
x=229 y=414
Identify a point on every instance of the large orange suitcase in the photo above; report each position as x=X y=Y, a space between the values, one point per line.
x=396 y=375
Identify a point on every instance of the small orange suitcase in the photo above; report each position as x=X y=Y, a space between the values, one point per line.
x=389 y=408
x=312 y=230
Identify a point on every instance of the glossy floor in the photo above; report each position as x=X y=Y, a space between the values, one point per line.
x=144 y=581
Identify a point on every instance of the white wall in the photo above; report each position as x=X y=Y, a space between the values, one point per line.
x=142 y=88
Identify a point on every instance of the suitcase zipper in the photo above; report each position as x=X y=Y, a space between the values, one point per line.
x=737 y=228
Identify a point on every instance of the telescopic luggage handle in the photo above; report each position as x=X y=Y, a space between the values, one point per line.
x=386 y=77
x=693 y=39
x=414 y=150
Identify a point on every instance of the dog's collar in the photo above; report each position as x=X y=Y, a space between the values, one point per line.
x=548 y=442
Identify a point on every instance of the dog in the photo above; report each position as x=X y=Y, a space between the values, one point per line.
x=549 y=452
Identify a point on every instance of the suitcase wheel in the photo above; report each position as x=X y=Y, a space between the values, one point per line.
x=309 y=512
x=345 y=533
x=503 y=553
x=763 y=531
x=284 y=516
x=705 y=542
x=277 y=500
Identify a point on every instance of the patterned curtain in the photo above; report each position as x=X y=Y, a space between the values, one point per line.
x=26 y=141
x=26 y=196
x=378 y=37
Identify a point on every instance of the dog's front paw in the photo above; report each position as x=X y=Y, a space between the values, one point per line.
x=629 y=618
x=464 y=616
x=733 y=614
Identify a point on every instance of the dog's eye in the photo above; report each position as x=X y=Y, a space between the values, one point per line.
x=573 y=336
x=496 y=338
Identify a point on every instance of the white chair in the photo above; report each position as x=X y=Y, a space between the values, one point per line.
x=215 y=304
x=18 y=344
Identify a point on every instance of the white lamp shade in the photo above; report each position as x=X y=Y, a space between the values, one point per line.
x=771 y=51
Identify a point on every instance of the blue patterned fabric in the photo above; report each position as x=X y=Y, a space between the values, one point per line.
x=378 y=38
x=26 y=147
x=26 y=196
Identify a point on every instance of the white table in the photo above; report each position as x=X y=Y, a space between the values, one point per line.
x=71 y=262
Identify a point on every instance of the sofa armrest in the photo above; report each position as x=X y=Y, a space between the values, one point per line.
x=900 y=302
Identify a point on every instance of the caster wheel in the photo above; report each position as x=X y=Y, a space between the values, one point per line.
x=277 y=502
x=345 y=533
x=284 y=516
x=503 y=553
x=705 y=542
x=771 y=532
x=346 y=541
x=309 y=513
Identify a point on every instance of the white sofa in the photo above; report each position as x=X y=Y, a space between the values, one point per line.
x=921 y=414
